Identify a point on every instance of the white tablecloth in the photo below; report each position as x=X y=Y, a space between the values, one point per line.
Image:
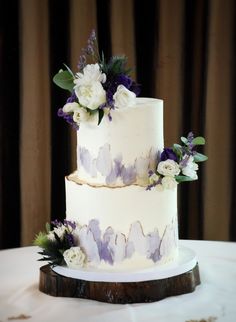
x=213 y=300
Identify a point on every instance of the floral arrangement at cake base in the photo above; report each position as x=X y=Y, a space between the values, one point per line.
x=70 y=244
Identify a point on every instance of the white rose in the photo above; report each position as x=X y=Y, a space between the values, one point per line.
x=91 y=73
x=80 y=115
x=124 y=97
x=169 y=182
x=190 y=169
x=168 y=168
x=70 y=107
x=91 y=95
x=74 y=257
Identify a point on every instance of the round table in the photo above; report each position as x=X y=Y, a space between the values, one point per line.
x=213 y=300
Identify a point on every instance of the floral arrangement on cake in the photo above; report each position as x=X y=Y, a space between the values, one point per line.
x=97 y=88
x=177 y=164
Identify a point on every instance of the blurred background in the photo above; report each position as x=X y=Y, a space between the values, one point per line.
x=182 y=51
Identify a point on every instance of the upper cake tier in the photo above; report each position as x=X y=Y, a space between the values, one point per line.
x=120 y=152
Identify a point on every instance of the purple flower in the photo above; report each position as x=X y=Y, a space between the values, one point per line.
x=82 y=62
x=72 y=98
x=68 y=118
x=57 y=223
x=168 y=153
x=70 y=239
x=136 y=88
x=70 y=223
x=92 y=37
x=124 y=80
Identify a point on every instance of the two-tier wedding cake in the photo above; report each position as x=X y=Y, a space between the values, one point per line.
x=121 y=202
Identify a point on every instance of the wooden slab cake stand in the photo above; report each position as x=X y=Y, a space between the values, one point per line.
x=147 y=285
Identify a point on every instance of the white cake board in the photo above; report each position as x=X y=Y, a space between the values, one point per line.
x=185 y=261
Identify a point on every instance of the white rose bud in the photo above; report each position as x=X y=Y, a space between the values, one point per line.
x=70 y=107
x=168 y=168
x=124 y=97
x=74 y=257
x=154 y=178
x=169 y=182
x=80 y=115
x=92 y=95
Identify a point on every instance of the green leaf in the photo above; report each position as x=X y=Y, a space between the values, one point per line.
x=199 y=140
x=69 y=70
x=177 y=148
x=41 y=240
x=100 y=115
x=198 y=157
x=64 y=80
x=48 y=227
x=184 y=140
x=183 y=178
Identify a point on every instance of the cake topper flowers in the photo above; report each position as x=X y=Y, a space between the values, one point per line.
x=97 y=88
x=177 y=164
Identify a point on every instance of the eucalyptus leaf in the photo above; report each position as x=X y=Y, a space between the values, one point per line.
x=184 y=140
x=183 y=178
x=69 y=70
x=48 y=227
x=177 y=148
x=100 y=115
x=64 y=80
x=199 y=157
x=199 y=140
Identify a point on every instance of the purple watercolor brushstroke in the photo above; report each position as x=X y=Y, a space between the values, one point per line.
x=117 y=247
x=93 y=226
x=128 y=175
x=112 y=247
x=85 y=159
x=129 y=249
x=153 y=241
x=104 y=160
x=89 y=245
x=111 y=178
x=105 y=252
x=112 y=170
x=118 y=166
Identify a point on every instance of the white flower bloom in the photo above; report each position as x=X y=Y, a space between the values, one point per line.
x=74 y=257
x=80 y=115
x=51 y=236
x=70 y=107
x=91 y=95
x=124 y=97
x=169 y=182
x=190 y=169
x=60 y=231
x=154 y=178
x=168 y=168
x=91 y=73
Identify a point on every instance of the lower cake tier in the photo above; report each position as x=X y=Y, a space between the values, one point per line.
x=123 y=228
